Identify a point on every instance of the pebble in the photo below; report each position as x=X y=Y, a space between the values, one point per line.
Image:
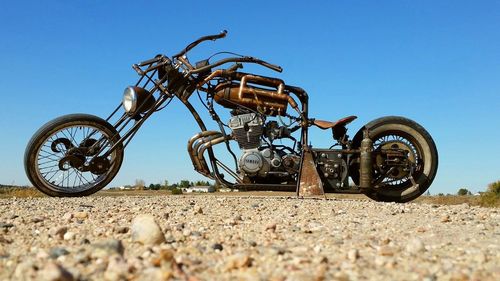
x=386 y=251
x=6 y=225
x=81 y=215
x=415 y=246
x=55 y=272
x=57 y=252
x=69 y=236
x=67 y=217
x=271 y=227
x=217 y=246
x=59 y=232
x=36 y=219
x=122 y=229
x=146 y=231
x=238 y=261
x=107 y=247
x=445 y=218
x=353 y=255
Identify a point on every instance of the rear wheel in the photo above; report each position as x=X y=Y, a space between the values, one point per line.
x=66 y=157
x=397 y=182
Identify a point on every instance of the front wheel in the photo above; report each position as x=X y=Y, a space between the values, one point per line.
x=68 y=156
x=396 y=182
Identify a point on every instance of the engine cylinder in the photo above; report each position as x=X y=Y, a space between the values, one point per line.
x=247 y=129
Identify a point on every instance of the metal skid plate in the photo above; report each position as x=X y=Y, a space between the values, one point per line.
x=309 y=183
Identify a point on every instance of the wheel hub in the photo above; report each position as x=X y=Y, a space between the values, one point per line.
x=400 y=165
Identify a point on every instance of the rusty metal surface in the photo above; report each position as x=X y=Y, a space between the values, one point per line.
x=309 y=183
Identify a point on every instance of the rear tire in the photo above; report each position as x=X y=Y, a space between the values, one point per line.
x=54 y=140
x=425 y=150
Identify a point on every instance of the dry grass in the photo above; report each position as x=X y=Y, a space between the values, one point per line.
x=19 y=192
x=485 y=200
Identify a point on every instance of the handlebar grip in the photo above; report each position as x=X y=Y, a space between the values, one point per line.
x=276 y=68
x=150 y=61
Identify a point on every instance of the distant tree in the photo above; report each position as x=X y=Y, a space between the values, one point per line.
x=184 y=184
x=139 y=184
x=440 y=194
x=154 y=186
x=428 y=193
x=463 y=192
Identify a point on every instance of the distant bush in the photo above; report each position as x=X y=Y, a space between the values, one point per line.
x=176 y=191
x=494 y=187
x=463 y=192
x=491 y=198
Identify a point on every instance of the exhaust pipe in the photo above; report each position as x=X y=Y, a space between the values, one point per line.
x=366 y=162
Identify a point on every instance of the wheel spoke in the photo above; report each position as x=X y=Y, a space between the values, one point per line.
x=72 y=179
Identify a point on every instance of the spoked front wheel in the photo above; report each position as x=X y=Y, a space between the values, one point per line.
x=69 y=156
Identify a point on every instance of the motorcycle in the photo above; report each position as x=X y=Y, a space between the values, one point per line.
x=389 y=159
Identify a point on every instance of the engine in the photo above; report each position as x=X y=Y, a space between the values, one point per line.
x=257 y=161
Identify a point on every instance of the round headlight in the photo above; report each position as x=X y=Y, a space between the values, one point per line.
x=129 y=100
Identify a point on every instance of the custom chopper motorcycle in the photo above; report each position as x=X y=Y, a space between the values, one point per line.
x=389 y=159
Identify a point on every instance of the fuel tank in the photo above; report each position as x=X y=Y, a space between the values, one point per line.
x=263 y=94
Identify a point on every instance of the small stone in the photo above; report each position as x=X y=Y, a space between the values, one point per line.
x=85 y=241
x=4 y=240
x=107 y=247
x=271 y=227
x=238 y=261
x=445 y=218
x=252 y=243
x=421 y=229
x=341 y=276
x=166 y=256
x=55 y=272
x=36 y=219
x=117 y=269
x=69 y=236
x=67 y=217
x=122 y=229
x=217 y=246
x=199 y=210
x=57 y=252
x=6 y=225
x=81 y=215
x=386 y=251
x=59 y=232
x=415 y=246
x=146 y=231
x=353 y=255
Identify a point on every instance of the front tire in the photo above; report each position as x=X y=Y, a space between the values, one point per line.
x=58 y=157
x=401 y=132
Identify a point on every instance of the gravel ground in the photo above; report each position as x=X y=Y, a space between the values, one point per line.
x=208 y=237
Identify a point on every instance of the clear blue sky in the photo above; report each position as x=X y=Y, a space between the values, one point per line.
x=437 y=62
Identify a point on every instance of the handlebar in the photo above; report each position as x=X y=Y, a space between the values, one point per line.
x=199 y=40
x=276 y=68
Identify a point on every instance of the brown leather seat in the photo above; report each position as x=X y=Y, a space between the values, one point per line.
x=328 y=125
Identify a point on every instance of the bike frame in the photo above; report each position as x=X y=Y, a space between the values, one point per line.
x=127 y=125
